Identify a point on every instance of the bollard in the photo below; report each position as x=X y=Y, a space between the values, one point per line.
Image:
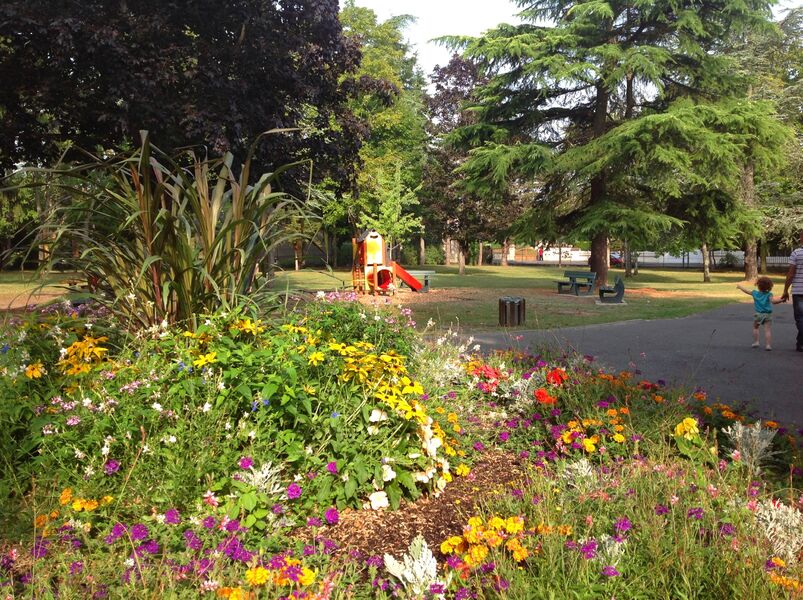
x=511 y=311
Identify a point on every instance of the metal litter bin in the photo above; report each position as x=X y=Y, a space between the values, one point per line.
x=512 y=311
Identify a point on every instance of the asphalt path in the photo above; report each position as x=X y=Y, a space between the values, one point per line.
x=709 y=350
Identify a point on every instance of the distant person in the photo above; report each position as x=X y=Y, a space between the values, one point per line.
x=794 y=279
x=762 y=303
x=540 y=253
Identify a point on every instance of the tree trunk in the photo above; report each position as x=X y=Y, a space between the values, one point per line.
x=599 y=243
x=297 y=249
x=479 y=255
x=627 y=261
x=635 y=265
x=335 y=250
x=560 y=255
x=447 y=251
x=762 y=257
x=505 y=249
x=750 y=243
x=706 y=264
x=599 y=254
x=422 y=251
x=461 y=260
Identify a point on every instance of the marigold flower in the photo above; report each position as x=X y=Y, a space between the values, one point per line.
x=66 y=496
x=543 y=397
x=257 y=576
x=462 y=470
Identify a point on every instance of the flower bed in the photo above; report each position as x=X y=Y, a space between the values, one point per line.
x=227 y=460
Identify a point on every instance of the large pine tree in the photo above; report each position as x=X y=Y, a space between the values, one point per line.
x=583 y=98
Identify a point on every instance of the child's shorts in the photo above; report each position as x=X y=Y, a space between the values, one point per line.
x=762 y=318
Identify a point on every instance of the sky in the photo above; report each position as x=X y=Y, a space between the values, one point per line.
x=435 y=18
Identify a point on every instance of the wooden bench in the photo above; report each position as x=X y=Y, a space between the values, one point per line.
x=613 y=294
x=577 y=280
x=424 y=277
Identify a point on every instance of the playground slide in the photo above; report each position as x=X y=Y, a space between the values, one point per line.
x=414 y=284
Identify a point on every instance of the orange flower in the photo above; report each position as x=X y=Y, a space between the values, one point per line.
x=543 y=397
x=556 y=376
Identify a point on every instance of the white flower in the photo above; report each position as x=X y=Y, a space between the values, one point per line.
x=373 y=430
x=377 y=318
x=378 y=415
x=156 y=406
x=79 y=455
x=129 y=562
x=388 y=474
x=320 y=295
x=89 y=471
x=160 y=519
x=308 y=450
x=252 y=434
x=172 y=439
x=206 y=407
x=345 y=476
x=430 y=323
x=146 y=449
x=378 y=500
x=227 y=425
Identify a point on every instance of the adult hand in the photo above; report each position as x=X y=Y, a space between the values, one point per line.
x=784 y=296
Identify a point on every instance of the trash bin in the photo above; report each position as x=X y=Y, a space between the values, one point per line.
x=511 y=311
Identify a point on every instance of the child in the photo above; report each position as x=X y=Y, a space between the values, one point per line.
x=762 y=303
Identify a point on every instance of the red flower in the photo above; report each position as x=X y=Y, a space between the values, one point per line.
x=556 y=376
x=543 y=397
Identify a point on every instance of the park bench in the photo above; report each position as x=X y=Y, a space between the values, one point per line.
x=577 y=280
x=613 y=294
x=424 y=277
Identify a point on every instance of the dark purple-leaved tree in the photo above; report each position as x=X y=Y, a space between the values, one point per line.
x=95 y=72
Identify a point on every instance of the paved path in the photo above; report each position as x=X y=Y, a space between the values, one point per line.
x=710 y=350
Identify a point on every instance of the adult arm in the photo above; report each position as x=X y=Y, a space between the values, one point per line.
x=790 y=275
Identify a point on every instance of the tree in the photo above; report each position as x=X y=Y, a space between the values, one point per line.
x=95 y=72
x=389 y=209
x=451 y=212
x=596 y=66
x=390 y=104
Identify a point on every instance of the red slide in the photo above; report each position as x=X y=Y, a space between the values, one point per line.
x=414 y=284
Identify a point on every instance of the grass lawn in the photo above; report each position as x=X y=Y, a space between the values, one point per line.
x=19 y=288
x=471 y=300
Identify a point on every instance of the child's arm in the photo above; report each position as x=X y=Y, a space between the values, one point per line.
x=744 y=289
x=775 y=300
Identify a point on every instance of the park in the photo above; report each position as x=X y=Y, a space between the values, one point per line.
x=336 y=300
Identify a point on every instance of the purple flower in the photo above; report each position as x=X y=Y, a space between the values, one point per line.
x=610 y=572
x=332 y=516
x=277 y=509
x=209 y=523
x=727 y=530
x=233 y=526
x=504 y=436
x=589 y=549
x=151 y=547
x=293 y=491
x=117 y=532
x=660 y=509
x=111 y=467
x=246 y=462
x=332 y=467
x=39 y=549
x=314 y=522
x=436 y=588
x=172 y=517
x=479 y=446
x=76 y=567
x=374 y=561
x=695 y=513
x=623 y=525
x=462 y=594
x=193 y=541
x=139 y=532
x=488 y=567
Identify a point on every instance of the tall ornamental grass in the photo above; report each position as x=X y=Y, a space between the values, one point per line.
x=165 y=238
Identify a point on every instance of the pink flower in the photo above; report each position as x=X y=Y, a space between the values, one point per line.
x=293 y=491
x=246 y=462
x=332 y=467
x=209 y=498
x=332 y=516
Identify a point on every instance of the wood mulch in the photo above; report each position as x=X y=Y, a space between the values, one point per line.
x=436 y=518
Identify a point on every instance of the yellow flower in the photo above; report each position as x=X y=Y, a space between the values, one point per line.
x=687 y=428
x=315 y=358
x=34 y=370
x=476 y=555
x=257 y=576
x=307 y=576
x=205 y=359
x=618 y=437
x=462 y=470
x=496 y=523
x=66 y=496
x=514 y=525
x=452 y=544
x=309 y=389
x=589 y=446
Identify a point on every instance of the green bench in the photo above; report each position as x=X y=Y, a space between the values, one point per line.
x=613 y=294
x=576 y=280
x=424 y=277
